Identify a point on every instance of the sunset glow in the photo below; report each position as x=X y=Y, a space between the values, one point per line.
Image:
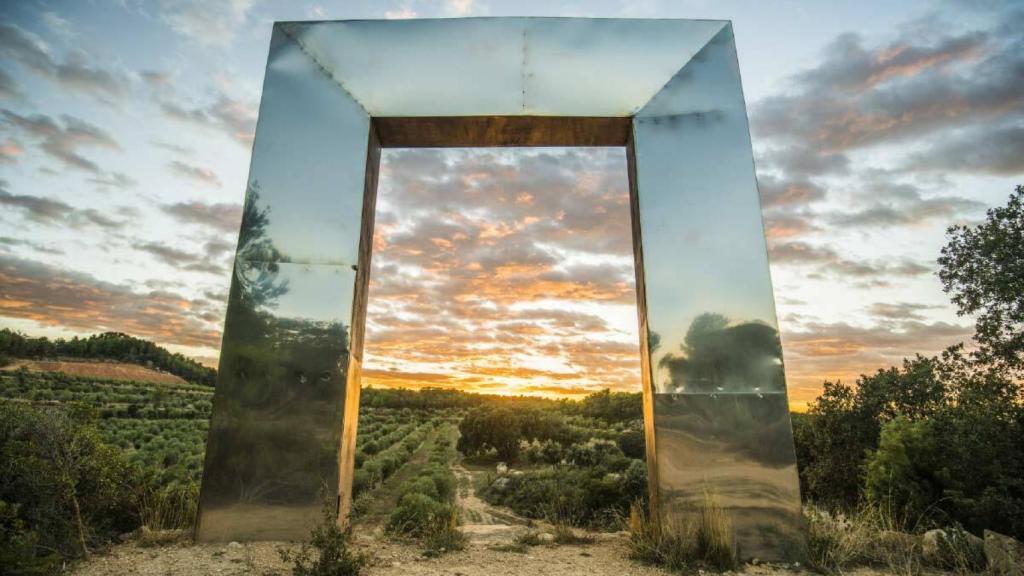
x=504 y=272
x=875 y=125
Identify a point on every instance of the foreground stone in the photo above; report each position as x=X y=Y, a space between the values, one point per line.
x=953 y=549
x=1005 y=555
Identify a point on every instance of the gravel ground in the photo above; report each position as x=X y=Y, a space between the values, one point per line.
x=606 y=556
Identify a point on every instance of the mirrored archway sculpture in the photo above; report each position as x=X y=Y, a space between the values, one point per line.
x=282 y=436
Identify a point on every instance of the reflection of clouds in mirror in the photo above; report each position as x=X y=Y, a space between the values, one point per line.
x=503 y=271
x=718 y=356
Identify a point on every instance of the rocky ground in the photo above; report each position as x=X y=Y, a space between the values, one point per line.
x=604 y=556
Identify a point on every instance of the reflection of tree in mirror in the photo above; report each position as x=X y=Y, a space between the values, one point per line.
x=281 y=376
x=257 y=261
x=653 y=341
x=717 y=356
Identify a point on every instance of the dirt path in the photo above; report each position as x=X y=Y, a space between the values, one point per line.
x=388 y=559
x=385 y=498
x=606 y=556
x=482 y=522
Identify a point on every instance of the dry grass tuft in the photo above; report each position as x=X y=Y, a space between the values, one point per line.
x=870 y=536
x=565 y=535
x=705 y=540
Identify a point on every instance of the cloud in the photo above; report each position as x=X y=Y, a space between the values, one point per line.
x=776 y=192
x=780 y=225
x=402 y=13
x=997 y=150
x=862 y=96
x=460 y=7
x=803 y=161
x=10 y=151
x=175 y=148
x=840 y=351
x=899 y=311
x=828 y=262
x=58 y=24
x=194 y=173
x=9 y=87
x=52 y=212
x=62 y=139
x=500 y=269
x=54 y=296
x=183 y=260
x=222 y=217
x=208 y=23
x=113 y=180
x=74 y=73
x=903 y=205
x=234 y=117
x=9 y=242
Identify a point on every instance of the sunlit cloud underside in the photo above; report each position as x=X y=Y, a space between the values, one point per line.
x=503 y=271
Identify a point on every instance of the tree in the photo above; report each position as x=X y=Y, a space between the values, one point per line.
x=846 y=423
x=488 y=428
x=69 y=487
x=982 y=269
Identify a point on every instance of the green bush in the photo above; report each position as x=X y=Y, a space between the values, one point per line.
x=20 y=549
x=584 y=496
x=415 y=515
x=938 y=440
x=66 y=485
x=899 y=472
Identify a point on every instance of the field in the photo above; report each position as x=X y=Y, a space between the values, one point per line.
x=160 y=427
x=564 y=462
x=102 y=370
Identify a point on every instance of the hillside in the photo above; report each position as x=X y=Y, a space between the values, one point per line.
x=156 y=426
x=106 y=370
x=109 y=346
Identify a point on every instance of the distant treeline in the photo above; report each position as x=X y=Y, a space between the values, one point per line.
x=107 y=346
x=604 y=405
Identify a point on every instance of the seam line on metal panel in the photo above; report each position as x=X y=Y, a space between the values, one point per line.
x=330 y=75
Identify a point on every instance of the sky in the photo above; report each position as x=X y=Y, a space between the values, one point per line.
x=126 y=128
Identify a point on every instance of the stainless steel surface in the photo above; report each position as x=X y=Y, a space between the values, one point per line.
x=721 y=417
x=286 y=406
x=272 y=453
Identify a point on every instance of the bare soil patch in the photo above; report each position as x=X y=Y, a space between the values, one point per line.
x=605 y=556
x=104 y=370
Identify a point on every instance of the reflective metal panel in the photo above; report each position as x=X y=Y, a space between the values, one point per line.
x=272 y=449
x=308 y=159
x=504 y=66
x=447 y=67
x=721 y=419
x=735 y=450
x=568 y=62
x=715 y=405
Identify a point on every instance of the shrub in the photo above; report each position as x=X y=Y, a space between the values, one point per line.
x=632 y=443
x=580 y=496
x=445 y=535
x=897 y=473
x=936 y=439
x=328 y=552
x=20 y=551
x=423 y=485
x=415 y=515
x=70 y=488
x=565 y=535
